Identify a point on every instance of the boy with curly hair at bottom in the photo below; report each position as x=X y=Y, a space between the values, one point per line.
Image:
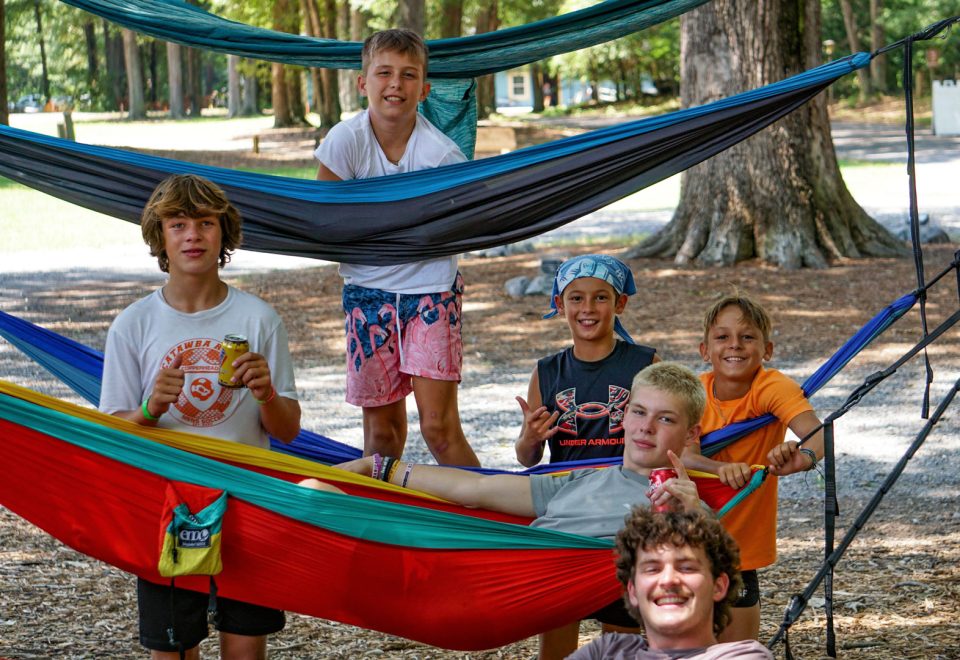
x=679 y=572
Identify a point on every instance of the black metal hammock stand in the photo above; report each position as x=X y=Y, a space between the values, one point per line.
x=831 y=510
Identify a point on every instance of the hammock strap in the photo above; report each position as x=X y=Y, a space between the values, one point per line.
x=831 y=509
x=799 y=601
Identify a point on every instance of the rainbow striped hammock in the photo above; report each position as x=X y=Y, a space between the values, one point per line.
x=379 y=557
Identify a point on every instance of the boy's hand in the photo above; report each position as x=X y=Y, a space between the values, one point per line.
x=167 y=387
x=680 y=494
x=538 y=425
x=253 y=371
x=735 y=475
x=786 y=458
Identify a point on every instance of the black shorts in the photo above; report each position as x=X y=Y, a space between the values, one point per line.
x=615 y=614
x=156 y=602
x=750 y=594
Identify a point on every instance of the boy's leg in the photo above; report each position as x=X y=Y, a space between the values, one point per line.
x=440 y=422
x=560 y=642
x=745 y=613
x=385 y=429
x=161 y=608
x=242 y=647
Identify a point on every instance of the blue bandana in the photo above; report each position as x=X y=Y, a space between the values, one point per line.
x=601 y=266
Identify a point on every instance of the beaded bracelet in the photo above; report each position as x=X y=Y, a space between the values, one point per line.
x=271 y=397
x=389 y=464
x=406 y=475
x=377 y=466
x=813 y=457
x=145 y=411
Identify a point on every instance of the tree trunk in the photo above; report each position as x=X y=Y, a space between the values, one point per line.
x=4 y=110
x=536 y=79
x=233 y=86
x=487 y=21
x=194 y=81
x=43 y=52
x=90 y=37
x=330 y=103
x=131 y=57
x=451 y=21
x=175 y=79
x=411 y=15
x=249 y=100
x=850 y=23
x=113 y=49
x=777 y=196
x=153 y=82
x=878 y=65
x=351 y=24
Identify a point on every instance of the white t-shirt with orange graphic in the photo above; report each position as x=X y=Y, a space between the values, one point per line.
x=149 y=334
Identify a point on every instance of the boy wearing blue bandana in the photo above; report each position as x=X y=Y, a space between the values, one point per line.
x=577 y=397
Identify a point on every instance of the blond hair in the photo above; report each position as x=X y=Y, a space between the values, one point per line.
x=753 y=312
x=677 y=381
x=398 y=40
x=193 y=197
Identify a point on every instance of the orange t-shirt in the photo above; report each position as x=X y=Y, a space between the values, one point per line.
x=753 y=522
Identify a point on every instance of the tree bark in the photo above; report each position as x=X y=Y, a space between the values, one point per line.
x=90 y=38
x=878 y=65
x=250 y=98
x=536 y=80
x=4 y=110
x=194 y=80
x=451 y=21
x=175 y=79
x=777 y=196
x=850 y=23
x=411 y=15
x=487 y=21
x=113 y=49
x=131 y=57
x=351 y=23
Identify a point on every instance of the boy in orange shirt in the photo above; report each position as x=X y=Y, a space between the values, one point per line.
x=736 y=342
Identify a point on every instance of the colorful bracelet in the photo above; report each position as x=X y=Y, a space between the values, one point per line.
x=813 y=457
x=392 y=471
x=273 y=395
x=389 y=465
x=406 y=475
x=377 y=466
x=145 y=411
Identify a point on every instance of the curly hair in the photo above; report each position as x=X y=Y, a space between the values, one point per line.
x=678 y=381
x=646 y=530
x=752 y=311
x=398 y=40
x=194 y=197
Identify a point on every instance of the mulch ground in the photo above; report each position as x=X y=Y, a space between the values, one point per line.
x=897 y=590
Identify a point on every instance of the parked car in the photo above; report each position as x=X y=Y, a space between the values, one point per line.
x=29 y=103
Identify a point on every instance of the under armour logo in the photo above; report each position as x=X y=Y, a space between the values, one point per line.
x=570 y=410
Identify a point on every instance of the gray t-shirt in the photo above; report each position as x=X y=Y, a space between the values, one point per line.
x=625 y=646
x=587 y=502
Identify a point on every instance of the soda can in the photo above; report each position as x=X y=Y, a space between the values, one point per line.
x=658 y=477
x=232 y=347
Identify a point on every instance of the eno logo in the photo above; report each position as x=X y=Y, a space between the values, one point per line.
x=194 y=538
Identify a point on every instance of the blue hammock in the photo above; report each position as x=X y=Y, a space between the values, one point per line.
x=431 y=213
x=462 y=57
x=81 y=367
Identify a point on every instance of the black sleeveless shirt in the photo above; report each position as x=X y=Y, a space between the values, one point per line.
x=591 y=398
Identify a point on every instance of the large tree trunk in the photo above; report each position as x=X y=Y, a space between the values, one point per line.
x=250 y=98
x=878 y=65
x=853 y=38
x=411 y=15
x=488 y=20
x=175 y=79
x=113 y=49
x=451 y=21
x=131 y=57
x=777 y=196
x=330 y=103
x=194 y=80
x=351 y=24
x=282 y=12
x=90 y=39
x=4 y=111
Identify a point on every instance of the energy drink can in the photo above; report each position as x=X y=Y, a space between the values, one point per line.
x=232 y=347
x=657 y=478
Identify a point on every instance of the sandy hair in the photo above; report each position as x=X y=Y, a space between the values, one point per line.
x=646 y=530
x=677 y=381
x=193 y=197
x=753 y=312
x=398 y=40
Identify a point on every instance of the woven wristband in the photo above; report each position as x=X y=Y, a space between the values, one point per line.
x=146 y=412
